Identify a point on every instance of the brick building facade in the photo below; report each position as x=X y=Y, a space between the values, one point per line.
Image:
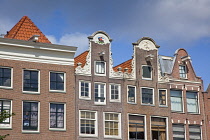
x=147 y=97
x=57 y=96
x=37 y=84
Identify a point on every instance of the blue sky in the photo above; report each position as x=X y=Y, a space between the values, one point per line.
x=172 y=24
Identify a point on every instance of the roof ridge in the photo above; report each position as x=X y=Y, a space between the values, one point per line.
x=25 y=29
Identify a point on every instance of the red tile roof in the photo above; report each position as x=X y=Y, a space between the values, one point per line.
x=126 y=64
x=81 y=58
x=25 y=29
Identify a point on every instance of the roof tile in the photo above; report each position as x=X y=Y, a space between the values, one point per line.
x=126 y=64
x=81 y=58
x=24 y=30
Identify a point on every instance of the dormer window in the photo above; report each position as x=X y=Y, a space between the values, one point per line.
x=182 y=71
x=100 y=68
x=147 y=72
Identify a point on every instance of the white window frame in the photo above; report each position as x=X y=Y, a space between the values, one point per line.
x=84 y=97
x=8 y=87
x=38 y=128
x=134 y=94
x=181 y=101
x=119 y=125
x=7 y=126
x=166 y=98
x=96 y=124
x=153 y=96
x=166 y=118
x=64 y=127
x=200 y=129
x=64 y=82
x=179 y=124
x=145 y=78
x=185 y=68
x=100 y=74
x=198 y=103
x=31 y=92
x=100 y=103
x=145 y=124
x=119 y=93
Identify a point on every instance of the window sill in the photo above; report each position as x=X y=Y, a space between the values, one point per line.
x=100 y=74
x=32 y=132
x=132 y=103
x=4 y=87
x=99 y=104
x=30 y=92
x=5 y=128
x=112 y=137
x=183 y=78
x=115 y=101
x=89 y=136
x=83 y=98
x=56 y=129
x=147 y=79
x=147 y=104
x=163 y=106
x=178 y=112
x=57 y=91
x=193 y=113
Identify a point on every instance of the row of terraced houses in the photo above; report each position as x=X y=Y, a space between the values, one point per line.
x=55 y=95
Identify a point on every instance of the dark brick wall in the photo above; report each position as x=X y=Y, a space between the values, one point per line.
x=45 y=97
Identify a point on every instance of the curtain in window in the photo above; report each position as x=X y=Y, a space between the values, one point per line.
x=192 y=102
x=176 y=100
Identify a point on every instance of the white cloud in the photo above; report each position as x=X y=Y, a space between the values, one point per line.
x=79 y=40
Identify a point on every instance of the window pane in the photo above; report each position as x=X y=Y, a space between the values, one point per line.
x=131 y=94
x=56 y=81
x=176 y=100
x=30 y=81
x=147 y=72
x=56 y=115
x=100 y=67
x=192 y=102
x=147 y=96
x=87 y=122
x=5 y=77
x=30 y=116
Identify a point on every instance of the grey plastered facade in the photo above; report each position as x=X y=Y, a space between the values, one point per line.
x=165 y=76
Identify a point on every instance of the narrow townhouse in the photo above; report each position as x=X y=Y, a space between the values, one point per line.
x=37 y=84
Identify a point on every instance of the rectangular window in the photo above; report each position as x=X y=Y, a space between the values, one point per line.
x=31 y=80
x=112 y=125
x=57 y=115
x=182 y=71
x=100 y=93
x=147 y=95
x=195 y=132
x=30 y=116
x=178 y=132
x=136 y=127
x=57 y=81
x=100 y=67
x=84 y=90
x=162 y=97
x=192 y=102
x=146 y=72
x=131 y=94
x=176 y=100
x=5 y=106
x=115 y=92
x=158 y=128
x=5 y=77
x=88 y=125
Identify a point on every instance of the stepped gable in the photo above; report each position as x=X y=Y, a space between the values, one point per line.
x=81 y=59
x=24 y=30
x=126 y=64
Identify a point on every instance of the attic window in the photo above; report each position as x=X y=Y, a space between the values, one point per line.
x=147 y=72
x=182 y=71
